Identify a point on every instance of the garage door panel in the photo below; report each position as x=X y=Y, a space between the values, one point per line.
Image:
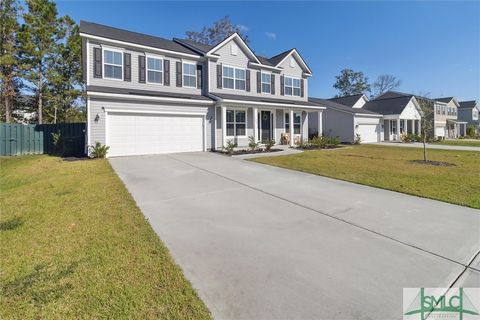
x=369 y=132
x=139 y=134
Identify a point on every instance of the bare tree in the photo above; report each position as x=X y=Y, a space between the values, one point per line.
x=384 y=83
x=220 y=30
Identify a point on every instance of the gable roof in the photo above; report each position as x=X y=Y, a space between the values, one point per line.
x=468 y=104
x=348 y=100
x=393 y=94
x=95 y=29
x=446 y=100
x=388 y=106
x=278 y=59
x=337 y=106
x=197 y=46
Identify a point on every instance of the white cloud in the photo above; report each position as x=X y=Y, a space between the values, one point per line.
x=271 y=35
x=243 y=28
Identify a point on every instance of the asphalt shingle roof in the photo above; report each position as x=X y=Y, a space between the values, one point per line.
x=203 y=48
x=467 y=104
x=279 y=57
x=132 y=37
x=445 y=100
x=147 y=93
x=386 y=106
x=261 y=99
x=347 y=100
x=335 y=105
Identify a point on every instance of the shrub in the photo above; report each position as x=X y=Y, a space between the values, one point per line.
x=358 y=139
x=98 y=151
x=318 y=142
x=312 y=135
x=253 y=145
x=231 y=145
x=333 y=141
x=471 y=131
x=304 y=144
x=57 y=142
x=269 y=144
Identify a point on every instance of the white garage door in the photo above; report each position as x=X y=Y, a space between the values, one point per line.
x=440 y=131
x=368 y=132
x=139 y=134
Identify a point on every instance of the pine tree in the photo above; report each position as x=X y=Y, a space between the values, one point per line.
x=38 y=37
x=9 y=66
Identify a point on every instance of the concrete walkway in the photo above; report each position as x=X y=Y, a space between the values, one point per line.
x=429 y=146
x=260 y=242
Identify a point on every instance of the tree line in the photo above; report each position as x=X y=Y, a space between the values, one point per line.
x=40 y=64
x=351 y=82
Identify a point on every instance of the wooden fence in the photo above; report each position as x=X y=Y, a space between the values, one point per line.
x=18 y=139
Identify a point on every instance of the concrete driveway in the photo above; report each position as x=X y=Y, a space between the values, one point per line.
x=260 y=242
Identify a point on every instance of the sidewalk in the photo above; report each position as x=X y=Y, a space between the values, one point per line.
x=429 y=146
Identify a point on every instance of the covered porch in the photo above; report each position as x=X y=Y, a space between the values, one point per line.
x=456 y=129
x=285 y=124
x=395 y=126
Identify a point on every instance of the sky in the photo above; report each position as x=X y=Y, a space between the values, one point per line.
x=432 y=47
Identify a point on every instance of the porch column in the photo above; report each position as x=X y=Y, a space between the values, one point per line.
x=255 y=124
x=414 y=126
x=305 y=126
x=290 y=129
x=398 y=130
x=319 y=125
x=224 y=125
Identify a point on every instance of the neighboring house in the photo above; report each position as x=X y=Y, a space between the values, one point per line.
x=447 y=123
x=346 y=122
x=353 y=101
x=469 y=111
x=401 y=114
x=148 y=95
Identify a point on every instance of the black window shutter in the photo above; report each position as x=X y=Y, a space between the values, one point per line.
x=141 y=69
x=219 y=76
x=97 y=62
x=272 y=84
x=127 y=67
x=282 y=85
x=247 y=79
x=166 y=72
x=259 y=82
x=302 y=87
x=199 y=76
x=179 y=74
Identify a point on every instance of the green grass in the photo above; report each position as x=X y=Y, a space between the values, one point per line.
x=390 y=168
x=460 y=142
x=74 y=245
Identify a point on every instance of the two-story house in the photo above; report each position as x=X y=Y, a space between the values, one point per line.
x=149 y=95
x=469 y=112
x=447 y=124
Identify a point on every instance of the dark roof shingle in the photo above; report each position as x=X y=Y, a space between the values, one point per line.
x=468 y=104
x=347 y=100
x=335 y=105
x=387 y=106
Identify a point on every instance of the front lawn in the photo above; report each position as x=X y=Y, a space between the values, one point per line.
x=74 y=245
x=460 y=142
x=390 y=168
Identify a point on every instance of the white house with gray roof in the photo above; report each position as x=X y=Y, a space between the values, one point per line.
x=149 y=95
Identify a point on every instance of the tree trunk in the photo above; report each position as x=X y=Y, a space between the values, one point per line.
x=8 y=108
x=40 y=99
x=8 y=95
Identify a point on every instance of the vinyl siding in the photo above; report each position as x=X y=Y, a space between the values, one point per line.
x=241 y=60
x=97 y=105
x=134 y=84
x=338 y=124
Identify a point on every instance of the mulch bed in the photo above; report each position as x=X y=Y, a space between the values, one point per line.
x=315 y=148
x=434 y=163
x=240 y=152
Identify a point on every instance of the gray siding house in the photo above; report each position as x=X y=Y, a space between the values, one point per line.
x=469 y=112
x=149 y=95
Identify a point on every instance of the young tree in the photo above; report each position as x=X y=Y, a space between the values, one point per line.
x=220 y=30
x=9 y=12
x=38 y=37
x=350 y=82
x=65 y=81
x=384 y=83
x=427 y=107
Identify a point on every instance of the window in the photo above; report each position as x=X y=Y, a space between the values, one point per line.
x=154 y=70
x=266 y=82
x=113 y=64
x=393 y=126
x=287 y=121
x=292 y=87
x=438 y=109
x=189 y=75
x=297 y=120
x=236 y=123
x=443 y=110
x=234 y=78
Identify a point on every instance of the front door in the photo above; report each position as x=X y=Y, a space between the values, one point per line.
x=265 y=125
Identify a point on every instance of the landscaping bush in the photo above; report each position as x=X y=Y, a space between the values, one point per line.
x=318 y=142
x=471 y=131
x=269 y=144
x=253 y=145
x=322 y=142
x=231 y=145
x=358 y=139
x=98 y=151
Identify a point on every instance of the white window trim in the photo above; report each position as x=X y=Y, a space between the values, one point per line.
x=234 y=79
x=285 y=86
x=300 y=124
x=104 y=48
x=146 y=69
x=189 y=75
x=261 y=82
x=235 y=109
